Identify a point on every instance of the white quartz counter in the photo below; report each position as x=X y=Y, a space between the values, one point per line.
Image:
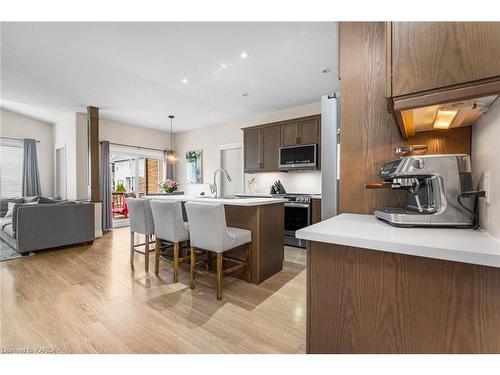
x=366 y=231
x=230 y=202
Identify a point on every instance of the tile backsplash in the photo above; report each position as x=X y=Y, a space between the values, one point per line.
x=294 y=182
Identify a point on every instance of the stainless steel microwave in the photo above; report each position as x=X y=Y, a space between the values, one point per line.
x=299 y=157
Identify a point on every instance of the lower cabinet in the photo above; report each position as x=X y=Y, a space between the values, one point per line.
x=315 y=210
x=368 y=301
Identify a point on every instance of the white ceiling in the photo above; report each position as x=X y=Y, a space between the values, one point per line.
x=133 y=71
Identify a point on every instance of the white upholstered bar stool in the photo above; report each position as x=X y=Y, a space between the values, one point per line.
x=141 y=221
x=169 y=226
x=208 y=231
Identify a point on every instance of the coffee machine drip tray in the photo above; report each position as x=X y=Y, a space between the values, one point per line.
x=402 y=217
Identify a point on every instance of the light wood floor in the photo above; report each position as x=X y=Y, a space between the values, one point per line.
x=85 y=299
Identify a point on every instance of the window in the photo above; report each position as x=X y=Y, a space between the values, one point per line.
x=11 y=166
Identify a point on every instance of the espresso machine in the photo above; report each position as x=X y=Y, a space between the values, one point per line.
x=438 y=191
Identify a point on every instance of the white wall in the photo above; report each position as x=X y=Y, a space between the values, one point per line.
x=485 y=158
x=19 y=126
x=114 y=132
x=209 y=140
x=65 y=136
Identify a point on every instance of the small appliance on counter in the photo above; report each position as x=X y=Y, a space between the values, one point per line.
x=438 y=187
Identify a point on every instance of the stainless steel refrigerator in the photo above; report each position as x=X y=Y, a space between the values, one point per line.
x=330 y=154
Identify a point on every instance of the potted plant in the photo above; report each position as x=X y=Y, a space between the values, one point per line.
x=168 y=186
x=120 y=188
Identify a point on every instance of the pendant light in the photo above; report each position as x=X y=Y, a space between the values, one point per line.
x=171 y=153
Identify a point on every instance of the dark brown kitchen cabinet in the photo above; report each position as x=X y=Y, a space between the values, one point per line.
x=262 y=142
x=270 y=147
x=290 y=134
x=315 y=210
x=433 y=55
x=302 y=132
x=252 y=152
x=309 y=131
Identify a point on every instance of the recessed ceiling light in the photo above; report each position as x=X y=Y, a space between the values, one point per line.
x=185 y=80
x=325 y=71
x=223 y=66
x=244 y=54
x=245 y=94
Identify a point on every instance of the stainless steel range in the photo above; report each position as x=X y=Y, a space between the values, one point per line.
x=297 y=216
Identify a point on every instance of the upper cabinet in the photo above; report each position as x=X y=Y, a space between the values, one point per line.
x=262 y=143
x=302 y=132
x=252 y=151
x=438 y=69
x=433 y=55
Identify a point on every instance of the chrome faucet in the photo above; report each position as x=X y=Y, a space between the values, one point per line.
x=213 y=187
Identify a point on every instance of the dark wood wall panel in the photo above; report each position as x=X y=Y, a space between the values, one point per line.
x=368 y=132
x=366 y=301
x=452 y=141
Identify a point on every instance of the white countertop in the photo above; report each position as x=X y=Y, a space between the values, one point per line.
x=264 y=195
x=366 y=231
x=229 y=202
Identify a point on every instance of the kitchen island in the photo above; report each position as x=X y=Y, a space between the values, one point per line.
x=375 y=288
x=264 y=218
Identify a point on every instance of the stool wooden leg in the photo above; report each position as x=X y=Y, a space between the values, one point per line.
x=176 y=261
x=146 y=252
x=157 y=256
x=132 y=250
x=207 y=260
x=193 y=264
x=247 y=257
x=219 y=276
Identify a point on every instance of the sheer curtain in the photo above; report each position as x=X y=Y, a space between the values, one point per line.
x=31 y=175
x=105 y=187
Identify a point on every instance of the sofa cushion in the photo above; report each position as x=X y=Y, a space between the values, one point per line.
x=10 y=230
x=4 y=204
x=5 y=221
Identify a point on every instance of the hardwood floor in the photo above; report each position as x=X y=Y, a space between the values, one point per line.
x=85 y=299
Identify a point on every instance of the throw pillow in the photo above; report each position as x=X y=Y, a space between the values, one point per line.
x=31 y=199
x=10 y=209
x=4 y=204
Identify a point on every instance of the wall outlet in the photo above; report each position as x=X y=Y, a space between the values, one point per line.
x=487 y=186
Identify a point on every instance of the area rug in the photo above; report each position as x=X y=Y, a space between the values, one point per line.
x=7 y=252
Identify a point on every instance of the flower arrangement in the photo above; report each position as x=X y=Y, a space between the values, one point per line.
x=168 y=186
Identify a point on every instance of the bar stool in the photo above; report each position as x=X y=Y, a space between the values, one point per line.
x=169 y=226
x=208 y=231
x=141 y=221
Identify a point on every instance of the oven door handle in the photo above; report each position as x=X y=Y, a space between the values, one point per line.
x=302 y=205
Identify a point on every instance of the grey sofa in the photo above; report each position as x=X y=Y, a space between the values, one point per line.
x=45 y=225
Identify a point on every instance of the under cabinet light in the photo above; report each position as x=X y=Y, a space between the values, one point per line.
x=444 y=118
